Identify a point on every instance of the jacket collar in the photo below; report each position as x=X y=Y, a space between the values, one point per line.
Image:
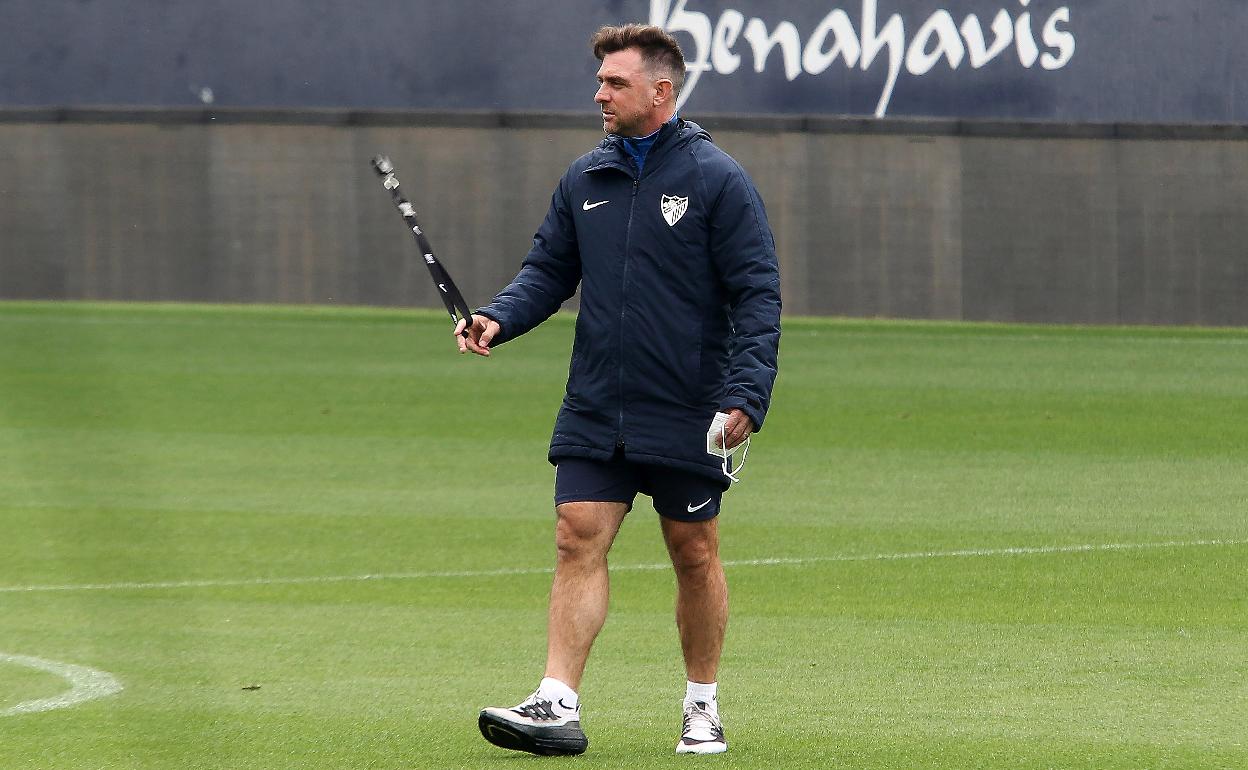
x=611 y=153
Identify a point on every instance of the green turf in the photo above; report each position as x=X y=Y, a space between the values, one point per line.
x=174 y=444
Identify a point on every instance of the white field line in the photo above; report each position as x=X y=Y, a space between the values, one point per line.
x=519 y=571
x=85 y=684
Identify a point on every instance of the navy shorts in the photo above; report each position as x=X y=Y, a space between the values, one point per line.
x=677 y=494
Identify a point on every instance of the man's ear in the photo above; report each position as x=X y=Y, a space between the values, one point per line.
x=662 y=91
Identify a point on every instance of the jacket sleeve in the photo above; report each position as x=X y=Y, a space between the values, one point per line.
x=547 y=278
x=745 y=255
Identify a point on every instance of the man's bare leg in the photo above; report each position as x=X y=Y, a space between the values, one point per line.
x=548 y=722
x=701 y=619
x=579 y=592
x=701 y=594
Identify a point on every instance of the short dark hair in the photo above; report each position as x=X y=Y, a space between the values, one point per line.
x=660 y=53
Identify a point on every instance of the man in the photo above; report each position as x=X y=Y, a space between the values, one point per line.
x=679 y=319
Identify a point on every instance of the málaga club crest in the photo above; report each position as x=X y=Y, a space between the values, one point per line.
x=673 y=208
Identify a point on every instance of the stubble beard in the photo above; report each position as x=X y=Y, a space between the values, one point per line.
x=621 y=128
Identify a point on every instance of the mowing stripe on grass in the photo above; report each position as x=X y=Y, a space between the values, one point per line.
x=271 y=317
x=85 y=684
x=505 y=572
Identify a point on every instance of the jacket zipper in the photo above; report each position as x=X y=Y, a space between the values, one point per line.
x=628 y=237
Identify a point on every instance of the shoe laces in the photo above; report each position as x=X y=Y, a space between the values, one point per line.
x=535 y=707
x=701 y=715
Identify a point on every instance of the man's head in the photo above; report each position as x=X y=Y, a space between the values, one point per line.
x=640 y=77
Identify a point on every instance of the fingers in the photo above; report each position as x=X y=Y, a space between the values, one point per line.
x=479 y=336
x=737 y=429
x=487 y=336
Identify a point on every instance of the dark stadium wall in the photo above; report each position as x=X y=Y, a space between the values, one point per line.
x=933 y=223
x=1153 y=61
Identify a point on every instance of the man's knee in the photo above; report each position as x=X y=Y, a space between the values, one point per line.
x=693 y=547
x=585 y=530
x=694 y=557
x=573 y=537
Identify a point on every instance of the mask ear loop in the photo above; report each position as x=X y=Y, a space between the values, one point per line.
x=726 y=464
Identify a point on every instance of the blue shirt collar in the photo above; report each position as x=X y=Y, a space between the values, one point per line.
x=638 y=147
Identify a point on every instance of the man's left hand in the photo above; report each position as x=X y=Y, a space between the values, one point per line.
x=737 y=429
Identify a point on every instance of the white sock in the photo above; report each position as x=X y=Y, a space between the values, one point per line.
x=696 y=691
x=557 y=692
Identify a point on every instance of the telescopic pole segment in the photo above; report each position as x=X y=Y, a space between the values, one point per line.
x=451 y=296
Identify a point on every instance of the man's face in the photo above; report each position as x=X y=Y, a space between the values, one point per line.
x=626 y=94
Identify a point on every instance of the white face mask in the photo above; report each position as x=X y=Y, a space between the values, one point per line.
x=716 y=431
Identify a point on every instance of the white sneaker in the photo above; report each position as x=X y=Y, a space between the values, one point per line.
x=537 y=725
x=703 y=733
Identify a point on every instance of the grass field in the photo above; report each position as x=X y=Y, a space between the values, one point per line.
x=316 y=538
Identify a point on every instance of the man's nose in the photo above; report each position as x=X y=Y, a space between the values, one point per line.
x=601 y=97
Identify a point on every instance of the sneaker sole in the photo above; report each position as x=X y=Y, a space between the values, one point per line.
x=709 y=747
x=543 y=741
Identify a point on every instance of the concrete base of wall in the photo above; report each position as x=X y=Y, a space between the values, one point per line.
x=925 y=224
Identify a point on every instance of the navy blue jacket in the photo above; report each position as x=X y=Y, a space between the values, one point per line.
x=680 y=299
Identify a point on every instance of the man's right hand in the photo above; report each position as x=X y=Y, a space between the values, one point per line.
x=480 y=334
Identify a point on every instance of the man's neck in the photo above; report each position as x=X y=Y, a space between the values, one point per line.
x=658 y=123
